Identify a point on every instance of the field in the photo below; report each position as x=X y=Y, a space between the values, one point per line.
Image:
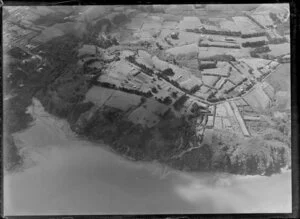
x=268 y=89
x=48 y=34
x=155 y=107
x=207 y=52
x=190 y=83
x=245 y=25
x=135 y=24
x=190 y=49
x=181 y=74
x=98 y=95
x=209 y=80
x=239 y=119
x=283 y=100
x=229 y=25
x=257 y=98
x=169 y=25
x=189 y=23
x=185 y=38
x=151 y=25
x=263 y=19
x=280 y=78
x=255 y=63
x=159 y=64
x=112 y=98
x=144 y=58
x=236 y=77
x=279 y=49
x=122 y=67
x=223 y=69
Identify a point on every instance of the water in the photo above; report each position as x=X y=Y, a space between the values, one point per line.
x=64 y=175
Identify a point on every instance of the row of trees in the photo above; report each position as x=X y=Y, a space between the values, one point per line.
x=258 y=50
x=215 y=32
x=127 y=90
x=206 y=65
x=254 y=44
x=255 y=34
x=233 y=46
x=221 y=58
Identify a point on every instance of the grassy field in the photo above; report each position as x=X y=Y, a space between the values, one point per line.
x=185 y=50
x=246 y=25
x=280 y=79
x=112 y=98
x=279 y=49
x=257 y=98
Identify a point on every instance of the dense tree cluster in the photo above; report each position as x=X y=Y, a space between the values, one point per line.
x=132 y=91
x=168 y=72
x=254 y=44
x=207 y=65
x=180 y=102
x=224 y=45
x=258 y=50
x=223 y=58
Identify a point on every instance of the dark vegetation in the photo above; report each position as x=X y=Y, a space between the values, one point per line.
x=180 y=102
x=132 y=91
x=255 y=34
x=136 y=142
x=18 y=53
x=256 y=51
x=224 y=58
x=215 y=32
x=229 y=153
x=274 y=17
x=120 y=19
x=254 y=44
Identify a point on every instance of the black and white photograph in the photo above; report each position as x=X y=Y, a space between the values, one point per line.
x=147 y=109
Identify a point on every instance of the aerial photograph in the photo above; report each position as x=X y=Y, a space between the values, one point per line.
x=146 y=109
